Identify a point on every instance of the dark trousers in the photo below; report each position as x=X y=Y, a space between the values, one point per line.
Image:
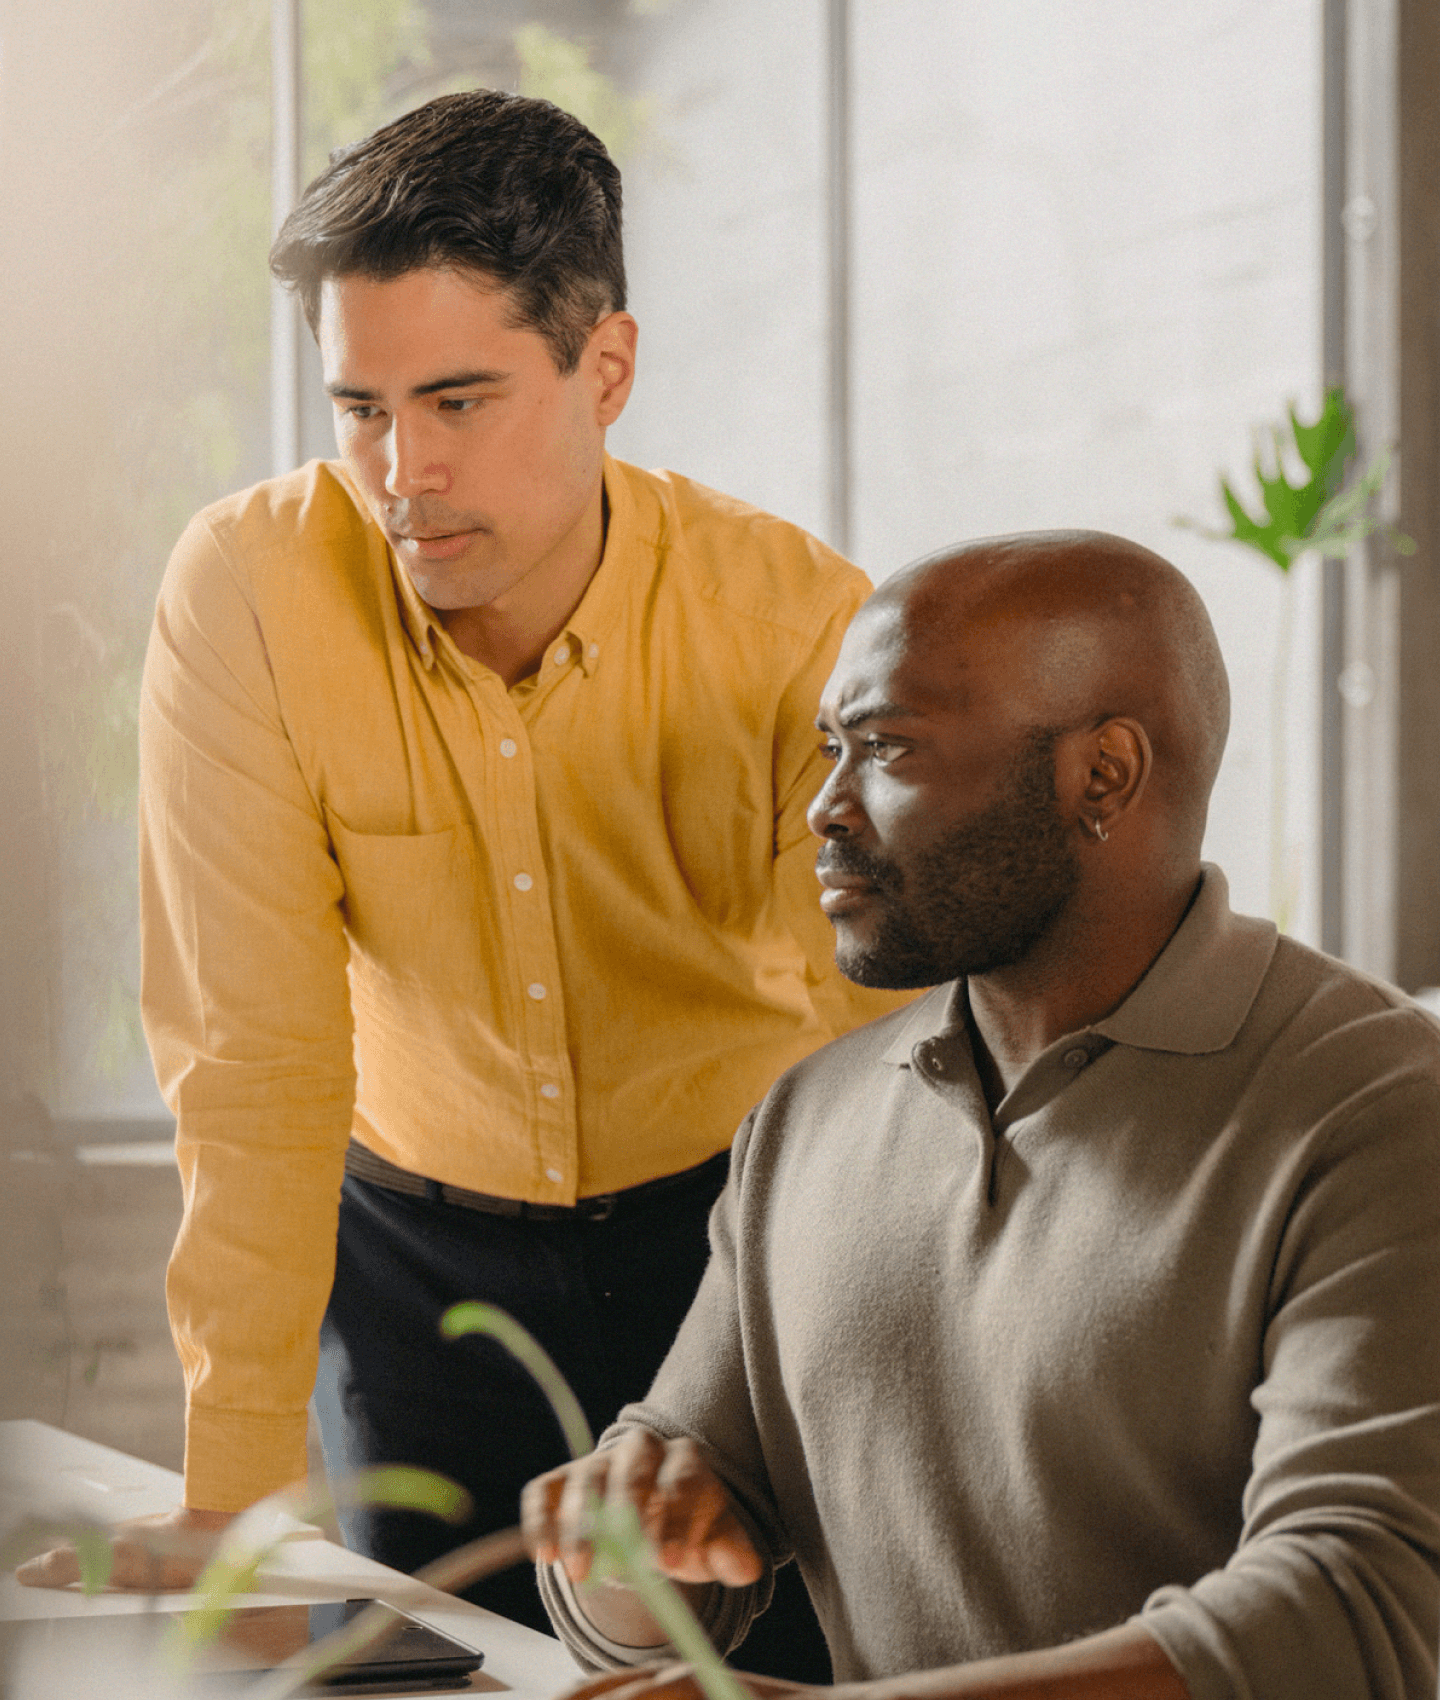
x=605 y=1299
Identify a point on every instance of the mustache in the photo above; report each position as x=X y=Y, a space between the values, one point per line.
x=837 y=857
x=424 y=515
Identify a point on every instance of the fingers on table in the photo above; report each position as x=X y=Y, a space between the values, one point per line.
x=58 y=1568
x=148 y=1555
x=133 y=1565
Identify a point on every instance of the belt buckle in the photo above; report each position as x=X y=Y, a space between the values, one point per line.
x=597 y=1209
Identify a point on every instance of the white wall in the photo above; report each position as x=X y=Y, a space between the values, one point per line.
x=1086 y=262
x=725 y=243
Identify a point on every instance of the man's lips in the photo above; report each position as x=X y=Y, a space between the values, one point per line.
x=433 y=545
x=843 y=892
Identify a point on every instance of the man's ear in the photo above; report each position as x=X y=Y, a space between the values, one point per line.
x=610 y=357
x=1105 y=774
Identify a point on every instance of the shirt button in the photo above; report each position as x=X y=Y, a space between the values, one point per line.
x=508 y=747
x=536 y=990
x=562 y=655
x=549 y=1090
x=523 y=882
x=554 y=1175
x=593 y=650
x=1076 y=1058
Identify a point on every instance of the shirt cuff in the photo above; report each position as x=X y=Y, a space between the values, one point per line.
x=725 y=1617
x=233 y=1458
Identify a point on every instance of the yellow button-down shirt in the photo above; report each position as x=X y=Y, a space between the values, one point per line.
x=540 y=942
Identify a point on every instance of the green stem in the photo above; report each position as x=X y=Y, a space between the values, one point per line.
x=621 y=1549
x=666 y=1605
x=477 y=1318
x=1280 y=893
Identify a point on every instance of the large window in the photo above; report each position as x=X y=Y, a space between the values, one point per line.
x=1066 y=258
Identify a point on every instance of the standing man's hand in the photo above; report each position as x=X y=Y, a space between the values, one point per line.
x=685 y=1511
x=157 y=1554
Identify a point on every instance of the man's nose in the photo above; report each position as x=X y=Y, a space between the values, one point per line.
x=415 y=467
x=834 y=813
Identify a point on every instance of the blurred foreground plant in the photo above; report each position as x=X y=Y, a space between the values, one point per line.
x=621 y=1551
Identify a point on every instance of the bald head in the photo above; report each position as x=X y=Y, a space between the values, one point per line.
x=1023 y=734
x=1077 y=628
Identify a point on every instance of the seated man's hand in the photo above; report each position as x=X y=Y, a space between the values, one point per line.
x=685 y=1511
x=157 y=1554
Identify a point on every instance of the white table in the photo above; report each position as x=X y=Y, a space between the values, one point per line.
x=45 y=1471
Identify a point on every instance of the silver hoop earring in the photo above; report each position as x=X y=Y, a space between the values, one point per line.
x=1100 y=831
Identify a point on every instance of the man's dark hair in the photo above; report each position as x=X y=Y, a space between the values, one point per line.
x=494 y=183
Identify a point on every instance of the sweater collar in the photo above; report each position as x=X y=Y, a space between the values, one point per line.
x=1193 y=998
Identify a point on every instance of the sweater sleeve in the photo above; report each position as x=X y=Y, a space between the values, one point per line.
x=701 y=1392
x=246 y=1008
x=1332 y=1588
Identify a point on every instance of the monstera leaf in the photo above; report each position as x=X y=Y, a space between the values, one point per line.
x=1291 y=510
x=1324 y=513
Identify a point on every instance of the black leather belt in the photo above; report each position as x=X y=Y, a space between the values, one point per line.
x=365 y=1165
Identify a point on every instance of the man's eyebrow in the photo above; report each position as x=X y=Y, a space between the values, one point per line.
x=850 y=718
x=451 y=381
x=460 y=381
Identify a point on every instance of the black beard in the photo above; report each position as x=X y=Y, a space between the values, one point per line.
x=980 y=899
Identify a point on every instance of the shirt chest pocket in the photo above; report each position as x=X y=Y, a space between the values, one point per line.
x=412 y=904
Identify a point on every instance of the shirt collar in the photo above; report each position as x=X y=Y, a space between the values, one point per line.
x=1193 y=998
x=627 y=564
x=943 y=1009
x=1197 y=992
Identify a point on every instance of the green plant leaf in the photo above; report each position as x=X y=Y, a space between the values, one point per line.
x=234 y=1568
x=405 y=1488
x=220 y=1586
x=1327 y=446
x=1292 y=513
x=1265 y=538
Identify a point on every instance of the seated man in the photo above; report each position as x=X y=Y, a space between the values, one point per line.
x=1075 y=1329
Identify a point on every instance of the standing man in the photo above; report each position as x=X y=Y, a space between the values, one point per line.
x=1075 y=1329
x=474 y=860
